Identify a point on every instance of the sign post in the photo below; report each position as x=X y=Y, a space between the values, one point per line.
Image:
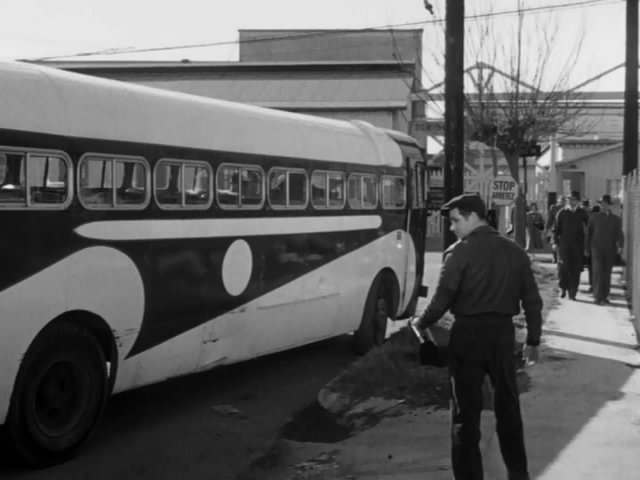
x=504 y=190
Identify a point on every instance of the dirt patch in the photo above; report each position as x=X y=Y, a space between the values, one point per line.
x=316 y=424
x=393 y=371
x=385 y=382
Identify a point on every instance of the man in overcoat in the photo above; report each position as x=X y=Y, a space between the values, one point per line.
x=569 y=233
x=604 y=240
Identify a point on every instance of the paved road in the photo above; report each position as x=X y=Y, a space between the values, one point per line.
x=172 y=431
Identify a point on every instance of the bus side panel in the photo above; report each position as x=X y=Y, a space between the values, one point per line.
x=99 y=280
x=326 y=302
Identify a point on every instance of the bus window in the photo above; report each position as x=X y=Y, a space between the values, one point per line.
x=228 y=186
x=369 y=191
x=12 y=187
x=336 y=190
x=363 y=191
x=419 y=181
x=48 y=182
x=288 y=188
x=393 y=192
x=95 y=182
x=37 y=180
x=197 y=183
x=106 y=182
x=3 y=168
x=251 y=187
x=131 y=183
x=327 y=189
x=240 y=187
x=182 y=184
x=355 y=191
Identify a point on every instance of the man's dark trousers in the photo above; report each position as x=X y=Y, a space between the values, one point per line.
x=602 y=264
x=479 y=346
x=570 y=266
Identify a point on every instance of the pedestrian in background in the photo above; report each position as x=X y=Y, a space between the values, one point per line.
x=551 y=218
x=485 y=278
x=535 y=226
x=587 y=258
x=604 y=242
x=569 y=234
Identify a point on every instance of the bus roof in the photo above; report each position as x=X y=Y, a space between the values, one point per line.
x=43 y=99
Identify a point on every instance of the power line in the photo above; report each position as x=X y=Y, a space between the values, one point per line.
x=294 y=36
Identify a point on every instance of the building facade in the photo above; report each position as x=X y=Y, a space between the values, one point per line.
x=343 y=74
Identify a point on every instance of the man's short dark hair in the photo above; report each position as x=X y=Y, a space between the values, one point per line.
x=606 y=198
x=466 y=204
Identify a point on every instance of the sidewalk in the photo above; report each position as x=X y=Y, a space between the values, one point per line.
x=581 y=412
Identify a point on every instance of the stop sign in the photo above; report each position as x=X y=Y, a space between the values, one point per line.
x=504 y=190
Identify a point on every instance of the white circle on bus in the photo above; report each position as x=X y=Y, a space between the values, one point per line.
x=237 y=267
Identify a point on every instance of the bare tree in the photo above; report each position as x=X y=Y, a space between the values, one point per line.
x=517 y=91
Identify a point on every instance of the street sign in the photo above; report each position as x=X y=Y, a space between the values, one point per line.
x=504 y=190
x=530 y=149
x=435 y=198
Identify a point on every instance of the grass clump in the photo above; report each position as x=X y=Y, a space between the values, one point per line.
x=392 y=371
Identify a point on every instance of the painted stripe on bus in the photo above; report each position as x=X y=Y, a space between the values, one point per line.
x=224 y=227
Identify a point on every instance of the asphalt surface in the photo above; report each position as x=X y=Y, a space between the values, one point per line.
x=209 y=425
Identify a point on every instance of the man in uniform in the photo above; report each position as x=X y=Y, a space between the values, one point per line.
x=569 y=230
x=604 y=241
x=485 y=278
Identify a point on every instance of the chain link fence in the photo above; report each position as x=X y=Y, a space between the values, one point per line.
x=631 y=227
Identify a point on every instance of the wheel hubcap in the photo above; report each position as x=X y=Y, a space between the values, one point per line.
x=58 y=400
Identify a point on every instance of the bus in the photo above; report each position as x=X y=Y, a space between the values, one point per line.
x=149 y=234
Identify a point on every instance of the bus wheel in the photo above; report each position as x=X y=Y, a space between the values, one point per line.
x=373 y=326
x=59 y=396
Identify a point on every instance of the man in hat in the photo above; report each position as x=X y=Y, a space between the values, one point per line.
x=604 y=240
x=485 y=278
x=569 y=230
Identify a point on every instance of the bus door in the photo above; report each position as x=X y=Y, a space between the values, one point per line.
x=416 y=221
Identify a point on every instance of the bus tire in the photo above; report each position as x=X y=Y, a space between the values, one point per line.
x=59 y=396
x=373 y=326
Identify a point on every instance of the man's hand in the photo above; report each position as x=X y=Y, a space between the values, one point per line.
x=531 y=355
x=413 y=324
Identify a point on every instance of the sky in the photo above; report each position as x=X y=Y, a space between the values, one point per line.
x=33 y=29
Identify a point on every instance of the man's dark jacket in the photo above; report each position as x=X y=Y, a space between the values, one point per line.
x=604 y=234
x=486 y=273
x=570 y=228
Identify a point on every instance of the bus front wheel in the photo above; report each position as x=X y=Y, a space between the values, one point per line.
x=59 y=395
x=373 y=326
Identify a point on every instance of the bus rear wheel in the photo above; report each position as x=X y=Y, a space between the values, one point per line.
x=373 y=326
x=59 y=396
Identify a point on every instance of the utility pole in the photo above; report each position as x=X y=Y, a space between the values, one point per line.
x=454 y=108
x=630 y=139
